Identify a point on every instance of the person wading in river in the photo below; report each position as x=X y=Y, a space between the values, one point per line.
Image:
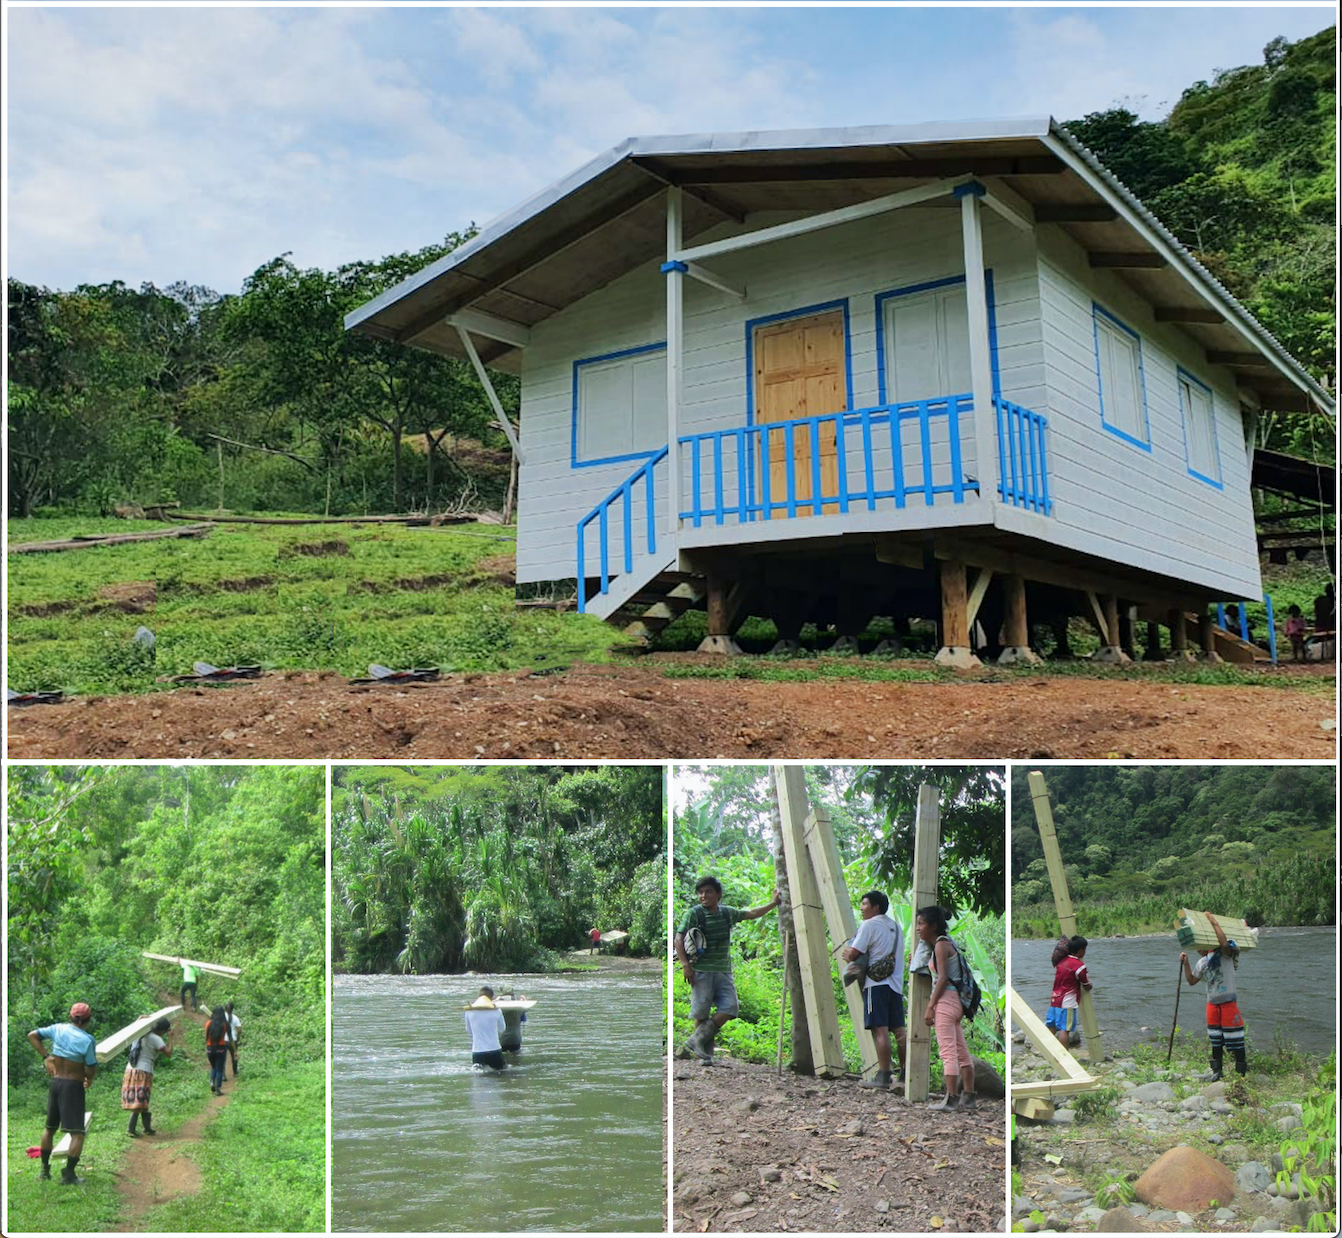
x=880 y=939
x=709 y=974
x=137 y=1084
x=485 y=1023
x=72 y=1063
x=1225 y=1024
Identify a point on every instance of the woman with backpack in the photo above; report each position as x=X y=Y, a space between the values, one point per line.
x=218 y=1038
x=137 y=1084
x=946 y=1011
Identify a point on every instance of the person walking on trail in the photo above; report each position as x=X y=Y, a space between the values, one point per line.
x=595 y=938
x=485 y=1023
x=708 y=971
x=946 y=1012
x=137 y=1084
x=1225 y=1024
x=882 y=941
x=188 y=984
x=218 y=1040
x=235 y=1030
x=71 y=1065
x=1069 y=978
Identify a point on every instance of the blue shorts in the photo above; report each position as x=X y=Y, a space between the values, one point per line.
x=712 y=989
x=882 y=1007
x=1061 y=1019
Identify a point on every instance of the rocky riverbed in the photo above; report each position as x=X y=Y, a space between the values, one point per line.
x=1129 y=1158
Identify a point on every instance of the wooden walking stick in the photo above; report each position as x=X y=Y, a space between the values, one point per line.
x=782 y=1009
x=1178 y=989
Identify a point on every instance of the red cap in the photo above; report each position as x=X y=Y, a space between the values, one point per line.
x=81 y=1010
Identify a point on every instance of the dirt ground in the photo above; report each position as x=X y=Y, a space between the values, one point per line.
x=826 y=1155
x=634 y=711
x=157 y=1168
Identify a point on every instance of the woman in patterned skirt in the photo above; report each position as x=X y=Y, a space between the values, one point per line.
x=138 y=1082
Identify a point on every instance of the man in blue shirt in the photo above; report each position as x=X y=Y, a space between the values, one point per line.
x=72 y=1063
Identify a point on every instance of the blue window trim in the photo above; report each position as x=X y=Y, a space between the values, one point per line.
x=883 y=297
x=1183 y=376
x=754 y=323
x=1097 y=312
x=574 y=462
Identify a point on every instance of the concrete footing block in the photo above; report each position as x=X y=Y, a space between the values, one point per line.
x=957 y=657
x=1112 y=655
x=1019 y=655
x=720 y=644
x=846 y=646
x=786 y=646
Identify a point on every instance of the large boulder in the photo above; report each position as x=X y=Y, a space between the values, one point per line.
x=1158 y=1091
x=1185 y=1180
x=987 y=1082
x=1119 y=1221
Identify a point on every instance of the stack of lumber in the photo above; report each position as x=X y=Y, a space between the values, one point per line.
x=216 y=969
x=113 y=1044
x=1196 y=933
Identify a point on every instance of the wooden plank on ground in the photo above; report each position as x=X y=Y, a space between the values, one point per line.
x=1045 y=1041
x=218 y=969
x=1062 y=899
x=113 y=1044
x=822 y=1017
x=109 y=539
x=1036 y=1108
x=62 y=1148
x=1054 y=1087
x=926 y=847
x=834 y=897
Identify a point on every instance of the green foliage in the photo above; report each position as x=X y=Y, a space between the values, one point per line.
x=1096 y=1105
x=493 y=867
x=1311 y=1152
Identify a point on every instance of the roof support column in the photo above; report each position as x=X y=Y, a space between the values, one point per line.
x=980 y=353
x=674 y=270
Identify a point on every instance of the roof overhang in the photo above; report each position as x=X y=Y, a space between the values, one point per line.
x=608 y=218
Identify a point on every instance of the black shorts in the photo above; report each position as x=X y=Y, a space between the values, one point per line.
x=882 y=1007
x=493 y=1058
x=65 y=1105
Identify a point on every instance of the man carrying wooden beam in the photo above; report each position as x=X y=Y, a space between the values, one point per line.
x=709 y=971
x=882 y=941
x=72 y=1063
x=188 y=983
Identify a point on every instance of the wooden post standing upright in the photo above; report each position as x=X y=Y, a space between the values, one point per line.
x=1090 y=1028
x=926 y=846
x=955 y=650
x=808 y=920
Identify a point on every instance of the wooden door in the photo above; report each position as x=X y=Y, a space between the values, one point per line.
x=800 y=372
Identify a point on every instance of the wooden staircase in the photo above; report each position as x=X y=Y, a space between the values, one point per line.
x=658 y=603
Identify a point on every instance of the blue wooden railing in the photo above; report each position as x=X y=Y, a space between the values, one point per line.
x=624 y=495
x=1022 y=457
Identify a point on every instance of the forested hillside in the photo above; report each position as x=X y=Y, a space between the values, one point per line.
x=493 y=868
x=1140 y=842
x=259 y=401
x=224 y=864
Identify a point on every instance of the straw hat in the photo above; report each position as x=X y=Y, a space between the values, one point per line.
x=481 y=1003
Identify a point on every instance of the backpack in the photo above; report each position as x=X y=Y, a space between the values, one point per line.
x=696 y=942
x=971 y=996
x=1060 y=951
x=134 y=1056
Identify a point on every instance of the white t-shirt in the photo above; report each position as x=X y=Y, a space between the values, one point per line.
x=150 y=1047
x=879 y=937
x=485 y=1027
x=1219 y=973
x=235 y=1024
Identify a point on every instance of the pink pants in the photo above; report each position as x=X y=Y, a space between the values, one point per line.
x=948 y=1016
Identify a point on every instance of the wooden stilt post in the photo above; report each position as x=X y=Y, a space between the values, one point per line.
x=1048 y=835
x=1207 y=637
x=823 y=853
x=1179 y=650
x=1154 y=653
x=726 y=593
x=926 y=846
x=809 y=922
x=1111 y=650
x=955 y=650
x=1017 y=649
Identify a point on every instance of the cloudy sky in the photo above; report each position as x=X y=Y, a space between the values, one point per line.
x=167 y=143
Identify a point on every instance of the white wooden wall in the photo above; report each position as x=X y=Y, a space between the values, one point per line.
x=1111 y=498
x=856 y=262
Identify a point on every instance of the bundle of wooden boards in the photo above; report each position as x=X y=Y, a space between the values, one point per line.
x=1196 y=933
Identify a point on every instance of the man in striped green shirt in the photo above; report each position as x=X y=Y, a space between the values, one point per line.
x=709 y=974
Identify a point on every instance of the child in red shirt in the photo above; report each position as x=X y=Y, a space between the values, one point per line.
x=1069 y=979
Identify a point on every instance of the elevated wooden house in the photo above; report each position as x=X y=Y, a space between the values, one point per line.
x=824 y=375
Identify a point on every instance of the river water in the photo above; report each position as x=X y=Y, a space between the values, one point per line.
x=568 y=1137
x=1289 y=982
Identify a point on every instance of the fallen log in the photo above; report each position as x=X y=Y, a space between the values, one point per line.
x=84 y=542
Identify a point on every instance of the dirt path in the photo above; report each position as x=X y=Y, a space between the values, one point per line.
x=158 y=1168
x=758 y=1153
x=636 y=711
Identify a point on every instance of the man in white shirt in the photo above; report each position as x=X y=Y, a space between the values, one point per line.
x=235 y=1026
x=485 y=1022
x=881 y=939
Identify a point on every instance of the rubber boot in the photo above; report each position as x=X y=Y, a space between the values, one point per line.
x=881 y=1079
x=968 y=1100
x=148 y=1130
x=1218 y=1060
x=1241 y=1060
x=45 y=1175
x=130 y=1128
x=710 y=1034
x=694 y=1043
x=948 y=1105
x=68 y=1175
